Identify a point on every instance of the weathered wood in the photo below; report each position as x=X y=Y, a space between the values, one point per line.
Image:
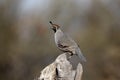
x=61 y=69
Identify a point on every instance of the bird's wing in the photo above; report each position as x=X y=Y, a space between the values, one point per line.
x=65 y=41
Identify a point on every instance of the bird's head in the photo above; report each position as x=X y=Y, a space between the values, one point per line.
x=55 y=27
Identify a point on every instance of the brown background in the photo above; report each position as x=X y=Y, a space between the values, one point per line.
x=27 y=43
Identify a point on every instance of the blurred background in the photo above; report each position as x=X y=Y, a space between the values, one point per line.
x=27 y=42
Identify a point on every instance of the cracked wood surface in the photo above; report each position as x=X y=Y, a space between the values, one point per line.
x=61 y=69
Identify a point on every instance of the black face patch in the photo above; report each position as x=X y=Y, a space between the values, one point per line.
x=54 y=29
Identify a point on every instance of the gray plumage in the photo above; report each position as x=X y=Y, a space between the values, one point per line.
x=65 y=43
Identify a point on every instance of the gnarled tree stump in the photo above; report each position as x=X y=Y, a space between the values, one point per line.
x=61 y=69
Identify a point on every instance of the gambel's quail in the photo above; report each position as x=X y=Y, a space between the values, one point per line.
x=66 y=43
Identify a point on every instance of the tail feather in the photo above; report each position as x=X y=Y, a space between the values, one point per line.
x=80 y=55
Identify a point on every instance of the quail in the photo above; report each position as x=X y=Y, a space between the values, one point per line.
x=65 y=43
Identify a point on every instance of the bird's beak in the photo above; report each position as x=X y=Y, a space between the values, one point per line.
x=51 y=25
x=50 y=22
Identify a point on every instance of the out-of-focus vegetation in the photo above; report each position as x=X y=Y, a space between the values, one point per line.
x=27 y=43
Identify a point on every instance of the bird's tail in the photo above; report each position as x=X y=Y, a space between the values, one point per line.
x=80 y=55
